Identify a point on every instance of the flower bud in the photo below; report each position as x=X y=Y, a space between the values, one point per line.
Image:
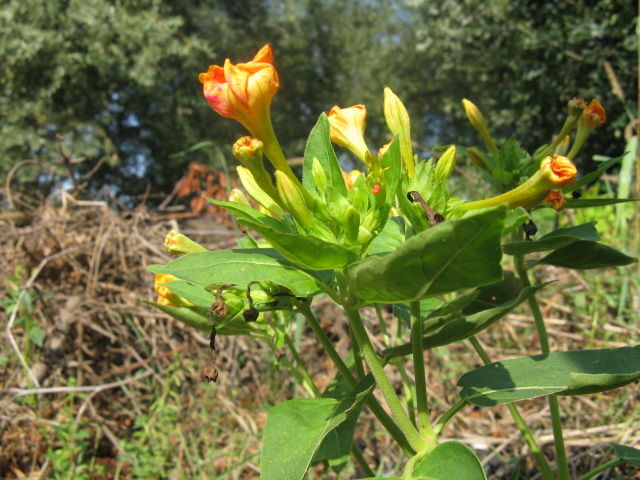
x=397 y=118
x=293 y=199
x=347 y=128
x=238 y=197
x=446 y=164
x=178 y=244
x=319 y=175
x=592 y=116
x=555 y=173
x=477 y=120
x=477 y=158
x=351 y=225
x=257 y=193
x=576 y=106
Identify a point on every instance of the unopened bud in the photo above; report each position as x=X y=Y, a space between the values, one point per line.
x=477 y=120
x=477 y=158
x=177 y=243
x=257 y=193
x=351 y=224
x=446 y=164
x=293 y=199
x=319 y=175
x=238 y=197
x=397 y=118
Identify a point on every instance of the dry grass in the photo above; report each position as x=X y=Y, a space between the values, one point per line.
x=108 y=361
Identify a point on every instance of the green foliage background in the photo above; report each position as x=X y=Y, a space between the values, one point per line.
x=118 y=79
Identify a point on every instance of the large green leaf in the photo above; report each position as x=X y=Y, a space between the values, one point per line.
x=454 y=255
x=557 y=239
x=461 y=328
x=494 y=295
x=296 y=428
x=247 y=213
x=448 y=461
x=585 y=254
x=561 y=373
x=319 y=146
x=336 y=445
x=306 y=251
x=628 y=454
x=243 y=266
x=390 y=238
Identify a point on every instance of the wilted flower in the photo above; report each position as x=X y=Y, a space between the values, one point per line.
x=555 y=200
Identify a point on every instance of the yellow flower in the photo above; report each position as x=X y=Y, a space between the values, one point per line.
x=347 y=128
x=165 y=297
x=350 y=178
x=244 y=91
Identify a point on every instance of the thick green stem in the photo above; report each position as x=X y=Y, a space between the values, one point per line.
x=520 y=423
x=556 y=423
x=348 y=377
x=375 y=366
x=424 y=424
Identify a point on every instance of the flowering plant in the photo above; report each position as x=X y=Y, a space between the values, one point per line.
x=392 y=235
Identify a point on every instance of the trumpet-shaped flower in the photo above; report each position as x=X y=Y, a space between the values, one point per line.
x=347 y=128
x=555 y=173
x=244 y=91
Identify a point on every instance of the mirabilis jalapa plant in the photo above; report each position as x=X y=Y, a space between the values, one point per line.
x=391 y=234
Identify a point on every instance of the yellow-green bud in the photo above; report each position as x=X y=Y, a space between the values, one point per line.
x=293 y=199
x=446 y=164
x=397 y=118
x=178 y=244
x=369 y=225
x=319 y=175
x=477 y=158
x=237 y=196
x=351 y=224
x=477 y=120
x=258 y=194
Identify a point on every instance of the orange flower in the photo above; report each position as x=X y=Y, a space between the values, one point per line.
x=165 y=297
x=594 y=115
x=350 y=178
x=555 y=200
x=347 y=128
x=244 y=91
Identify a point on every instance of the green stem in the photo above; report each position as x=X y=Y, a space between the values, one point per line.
x=556 y=423
x=520 y=423
x=406 y=383
x=602 y=468
x=357 y=358
x=424 y=424
x=306 y=380
x=344 y=371
x=375 y=366
x=355 y=451
x=448 y=415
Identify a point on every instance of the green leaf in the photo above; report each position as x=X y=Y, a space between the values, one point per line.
x=306 y=251
x=494 y=295
x=336 y=446
x=36 y=335
x=628 y=454
x=592 y=176
x=448 y=461
x=390 y=238
x=319 y=146
x=296 y=428
x=596 y=202
x=244 y=266
x=246 y=213
x=584 y=255
x=195 y=317
x=454 y=255
x=462 y=328
x=205 y=299
x=515 y=218
x=560 y=373
x=557 y=239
